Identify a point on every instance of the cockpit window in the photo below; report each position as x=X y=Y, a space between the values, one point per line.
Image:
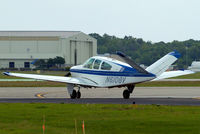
x=106 y=66
x=97 y=64
x=89 y=63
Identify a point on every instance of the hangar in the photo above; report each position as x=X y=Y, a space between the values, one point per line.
x=18 y=49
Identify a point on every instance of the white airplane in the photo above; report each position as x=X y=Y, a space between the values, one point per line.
x=106 y=72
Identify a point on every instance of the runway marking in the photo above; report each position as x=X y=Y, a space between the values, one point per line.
x=42 y=94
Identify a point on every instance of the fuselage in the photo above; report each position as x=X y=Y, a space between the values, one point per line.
x=108 y=72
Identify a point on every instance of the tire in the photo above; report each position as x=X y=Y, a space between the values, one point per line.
x=73 y=95
x=126 y=94
x=78 y=95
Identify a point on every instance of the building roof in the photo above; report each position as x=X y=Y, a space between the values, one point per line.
x=63 y=34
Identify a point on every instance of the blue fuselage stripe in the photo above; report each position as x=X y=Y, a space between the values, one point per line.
x=111 y=73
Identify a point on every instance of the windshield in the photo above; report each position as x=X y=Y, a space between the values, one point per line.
x=89 y=63
x=97 y=64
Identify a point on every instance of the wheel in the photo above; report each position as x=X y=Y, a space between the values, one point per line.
x=126 y=94
x=73 y=95
x=78 y=95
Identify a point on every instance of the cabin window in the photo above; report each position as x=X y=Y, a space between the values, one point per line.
x=97 y=64
x=106 y=66
x=89 y=64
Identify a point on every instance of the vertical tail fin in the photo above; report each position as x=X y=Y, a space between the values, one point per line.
x=163 y=64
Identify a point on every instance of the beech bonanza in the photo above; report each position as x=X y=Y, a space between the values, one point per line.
x=106 y=72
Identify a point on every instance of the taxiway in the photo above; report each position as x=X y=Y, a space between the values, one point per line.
x=141 y=95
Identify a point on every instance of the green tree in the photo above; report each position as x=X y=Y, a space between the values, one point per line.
x=147 y=52
x=59 y=61
x=40 y=64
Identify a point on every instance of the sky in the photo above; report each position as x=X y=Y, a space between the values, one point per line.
x=151 y=20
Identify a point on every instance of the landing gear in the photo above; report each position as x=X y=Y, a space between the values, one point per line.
x=73 y=95
x=78 y=95
x=127 y=92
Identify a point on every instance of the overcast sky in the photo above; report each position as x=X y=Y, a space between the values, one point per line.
x=152 y=20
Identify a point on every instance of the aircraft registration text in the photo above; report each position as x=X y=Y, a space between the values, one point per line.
x=115 y=79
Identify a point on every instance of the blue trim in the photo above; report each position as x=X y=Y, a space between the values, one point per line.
x=111 y=73
x=175 y=54
x=6 y=73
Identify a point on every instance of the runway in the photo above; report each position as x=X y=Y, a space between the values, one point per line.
x=141 y=95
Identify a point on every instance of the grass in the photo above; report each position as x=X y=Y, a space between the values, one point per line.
x=170 y=84
x=56 y=84
x=31 y=84
x=99 y=119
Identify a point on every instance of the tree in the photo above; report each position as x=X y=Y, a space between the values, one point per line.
x=59 y=61
x=40 y=64
x=148 y=52
x=50 y=63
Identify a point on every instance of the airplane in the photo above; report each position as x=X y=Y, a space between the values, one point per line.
x=107 y=72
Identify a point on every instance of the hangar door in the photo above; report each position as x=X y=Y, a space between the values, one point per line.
x=80 y=51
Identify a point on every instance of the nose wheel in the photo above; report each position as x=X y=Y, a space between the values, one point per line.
x=128 y=91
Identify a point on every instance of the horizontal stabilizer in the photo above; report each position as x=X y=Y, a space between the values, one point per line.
x=170 y=74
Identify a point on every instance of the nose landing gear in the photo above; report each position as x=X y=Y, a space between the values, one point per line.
x=126 y=94
x=128 y=91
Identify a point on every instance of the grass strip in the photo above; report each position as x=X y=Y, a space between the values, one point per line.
x=170 y=84
x=57 y=84
x=31 y=84
x=99 y=119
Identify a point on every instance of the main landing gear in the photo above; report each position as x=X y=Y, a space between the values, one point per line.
x=72 y=92
x=128 y=91
x=75 y=94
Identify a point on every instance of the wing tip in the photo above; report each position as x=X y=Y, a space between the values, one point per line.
x=175 y=54
x=6 y=73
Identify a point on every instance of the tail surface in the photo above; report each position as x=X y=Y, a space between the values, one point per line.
x=163 y=64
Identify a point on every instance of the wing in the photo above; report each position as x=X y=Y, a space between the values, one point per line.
x=71 y=80
x=170 y=74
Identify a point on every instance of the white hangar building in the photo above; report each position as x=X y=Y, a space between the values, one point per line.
x=18 y=49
